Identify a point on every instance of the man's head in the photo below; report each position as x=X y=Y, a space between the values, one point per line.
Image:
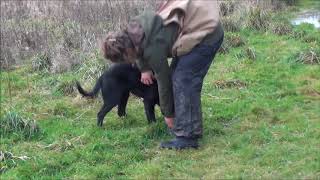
x=118 y=48
x=124 y=46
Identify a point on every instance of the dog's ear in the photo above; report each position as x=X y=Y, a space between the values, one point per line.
x=130 y=55
x=104 y=49
x=110 y=50
x=136 y=33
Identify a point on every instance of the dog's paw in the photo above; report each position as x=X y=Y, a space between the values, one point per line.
x=122 y=114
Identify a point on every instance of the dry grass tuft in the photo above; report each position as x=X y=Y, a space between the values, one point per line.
x=282 y=28
x=251 y=53
x=310 y=56
x=227 y=7
x=64 y=144
x=67 y=88
x=259 y=19
x=8 y=160
x=231 y=41
x=231 y=24
x=41 y=62
x=223 y=84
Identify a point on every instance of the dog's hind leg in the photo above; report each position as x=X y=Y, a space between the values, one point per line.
x=103 y=111
x=123 y=104
x=149 y=110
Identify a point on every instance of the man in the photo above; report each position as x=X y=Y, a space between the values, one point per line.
x=191 y=33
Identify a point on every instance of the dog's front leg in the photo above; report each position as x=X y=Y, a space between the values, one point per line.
x=149 y=110
x=123 y=104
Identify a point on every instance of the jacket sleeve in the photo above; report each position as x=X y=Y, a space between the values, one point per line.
x=143 y=65
x=156 y=53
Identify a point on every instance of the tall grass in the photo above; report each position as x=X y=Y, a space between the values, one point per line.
x=14 y=124
x=60 y=31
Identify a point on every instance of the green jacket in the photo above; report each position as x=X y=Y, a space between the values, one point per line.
x=156 y=46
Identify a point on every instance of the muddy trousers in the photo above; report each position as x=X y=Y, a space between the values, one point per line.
x=188 y=73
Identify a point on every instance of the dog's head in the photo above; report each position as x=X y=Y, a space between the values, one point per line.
x=124 y=46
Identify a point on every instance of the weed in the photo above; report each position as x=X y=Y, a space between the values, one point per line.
x=41 y=62
x=231 y=41
x=8 y=160
x=310 y=56
x=282 y=28
x=258 y=19
x=64 y=145
x=251 y=53
x=62 y=109
x=222 y=84
x=91 y=70
x=307 y=33
x=231 y=23
x=66 y=87
x=227 y=8
x=13 y=123
x=156 y=130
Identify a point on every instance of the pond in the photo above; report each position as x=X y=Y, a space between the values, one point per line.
x=311 y=17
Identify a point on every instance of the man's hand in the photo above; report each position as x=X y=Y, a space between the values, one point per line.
x=147 y=77
x=169 y=122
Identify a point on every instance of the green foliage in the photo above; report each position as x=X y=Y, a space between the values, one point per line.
x=307 y=33
x=66 y=87
x=14 y=124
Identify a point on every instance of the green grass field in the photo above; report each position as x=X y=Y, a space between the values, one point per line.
x=261 y=108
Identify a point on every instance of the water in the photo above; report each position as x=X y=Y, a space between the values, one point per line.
x=311 y=17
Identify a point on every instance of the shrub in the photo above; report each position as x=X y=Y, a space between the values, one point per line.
x=258 y=19
x=13 y=123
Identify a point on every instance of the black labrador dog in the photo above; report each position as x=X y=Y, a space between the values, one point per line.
x=116 y=84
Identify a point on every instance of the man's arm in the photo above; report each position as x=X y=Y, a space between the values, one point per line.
x=156 y=54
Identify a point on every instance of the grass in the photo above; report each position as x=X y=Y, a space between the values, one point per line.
x=261 y=120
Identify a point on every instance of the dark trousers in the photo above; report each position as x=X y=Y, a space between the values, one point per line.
x=188 y=73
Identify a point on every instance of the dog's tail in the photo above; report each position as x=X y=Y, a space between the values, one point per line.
x=92 y=93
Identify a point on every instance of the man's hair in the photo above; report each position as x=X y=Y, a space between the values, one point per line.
x=115 y=45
